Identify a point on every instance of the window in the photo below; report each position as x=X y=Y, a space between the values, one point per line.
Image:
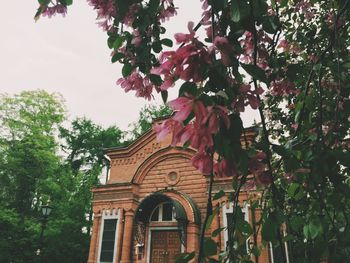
x=108 y=238
x=276 y=252
x=228 y=217
x=163 y=213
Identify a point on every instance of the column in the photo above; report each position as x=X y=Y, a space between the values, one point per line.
x=120 y=235
x=127 y=237
x=94 y=238
x=192 y=237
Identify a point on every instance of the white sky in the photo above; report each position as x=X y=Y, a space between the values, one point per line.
x=70 y=56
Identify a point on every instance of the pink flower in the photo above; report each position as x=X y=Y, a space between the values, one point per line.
x=183 y=107
x=187 y=63
x=167 y=127
x=50 y=11
x=294 y=126
x=167 y=10
x=136 y=38
x=136 y=82
x=215 y=114
x=284 y=45
x=203 y=162
x=225 y=168
x=184 y=38
x=225 y=49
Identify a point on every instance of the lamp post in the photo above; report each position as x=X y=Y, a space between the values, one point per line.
x=46 y=211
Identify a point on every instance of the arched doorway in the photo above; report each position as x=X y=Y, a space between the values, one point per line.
x=160 y=229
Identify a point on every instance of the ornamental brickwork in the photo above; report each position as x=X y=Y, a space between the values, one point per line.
x=145 y=168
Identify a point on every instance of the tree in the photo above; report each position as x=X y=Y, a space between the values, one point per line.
x=28 y=148
x=146 y=116
x=289 y=60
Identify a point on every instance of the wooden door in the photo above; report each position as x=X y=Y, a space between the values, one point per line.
x=165 y=246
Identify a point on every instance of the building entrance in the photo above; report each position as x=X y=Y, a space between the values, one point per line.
x=165 y=246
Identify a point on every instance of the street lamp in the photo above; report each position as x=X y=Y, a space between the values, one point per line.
x=46 y=211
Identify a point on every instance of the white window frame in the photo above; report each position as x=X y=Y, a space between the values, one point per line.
x=160 y=213
x=109 y=214
x=229 y=209
x=272 y=260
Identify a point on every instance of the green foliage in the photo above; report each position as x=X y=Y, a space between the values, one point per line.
x=144 y=122
x=33 y=172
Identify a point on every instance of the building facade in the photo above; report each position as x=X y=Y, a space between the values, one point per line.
x=154 y=203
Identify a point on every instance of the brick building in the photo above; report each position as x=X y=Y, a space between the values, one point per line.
x=153 y=204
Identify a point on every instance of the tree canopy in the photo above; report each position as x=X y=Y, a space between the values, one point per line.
x=287 y=59
x=45 y=160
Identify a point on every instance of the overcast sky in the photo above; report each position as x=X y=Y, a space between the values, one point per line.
x=70 y=56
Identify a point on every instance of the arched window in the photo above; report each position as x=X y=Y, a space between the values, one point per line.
x=164 y=212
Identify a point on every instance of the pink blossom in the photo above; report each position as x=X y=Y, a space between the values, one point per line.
x=184 y=38
x=130 y=15
x=225 y=168
x=203 y=162
x=294 y=126
x=215 y=114
x=305 y=7
x=187 y=63
x=246 y=97
x=50 y=11
x=225 y=48
x=167 y=127
x=167 y=10
x=136 y=82
x=182 y=106
x=136 y=38
x=282 y=87
x=284 y=45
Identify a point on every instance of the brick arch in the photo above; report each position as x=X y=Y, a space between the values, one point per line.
x=158 y=157
x=191 y=209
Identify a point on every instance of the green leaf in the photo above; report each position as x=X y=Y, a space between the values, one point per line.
x=343 y=157
x=292 y=189
x=44 y=2
x=117 y=56
x=346 y=64
x=127 y=69
x=118 y=42
x=188 y=87
x=211 y=218
x=157 y=46
x=167 y=42
x=217 y=231
x=244 y=227
x=210 y=247
x=66 y=2
x=222 y=94
x=313 y=229
x=219 y=194
x=153 y=6
x=164 y=94
x=156 y=80
x=255 y=72
x=235 y=11
x=185 y=257
x=269 y=229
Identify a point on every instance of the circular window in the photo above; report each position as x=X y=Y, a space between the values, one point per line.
x=172 y=178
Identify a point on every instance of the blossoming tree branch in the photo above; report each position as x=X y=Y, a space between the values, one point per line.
x=287 y=59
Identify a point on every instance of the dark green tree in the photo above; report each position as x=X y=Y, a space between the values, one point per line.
x=146 y=115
